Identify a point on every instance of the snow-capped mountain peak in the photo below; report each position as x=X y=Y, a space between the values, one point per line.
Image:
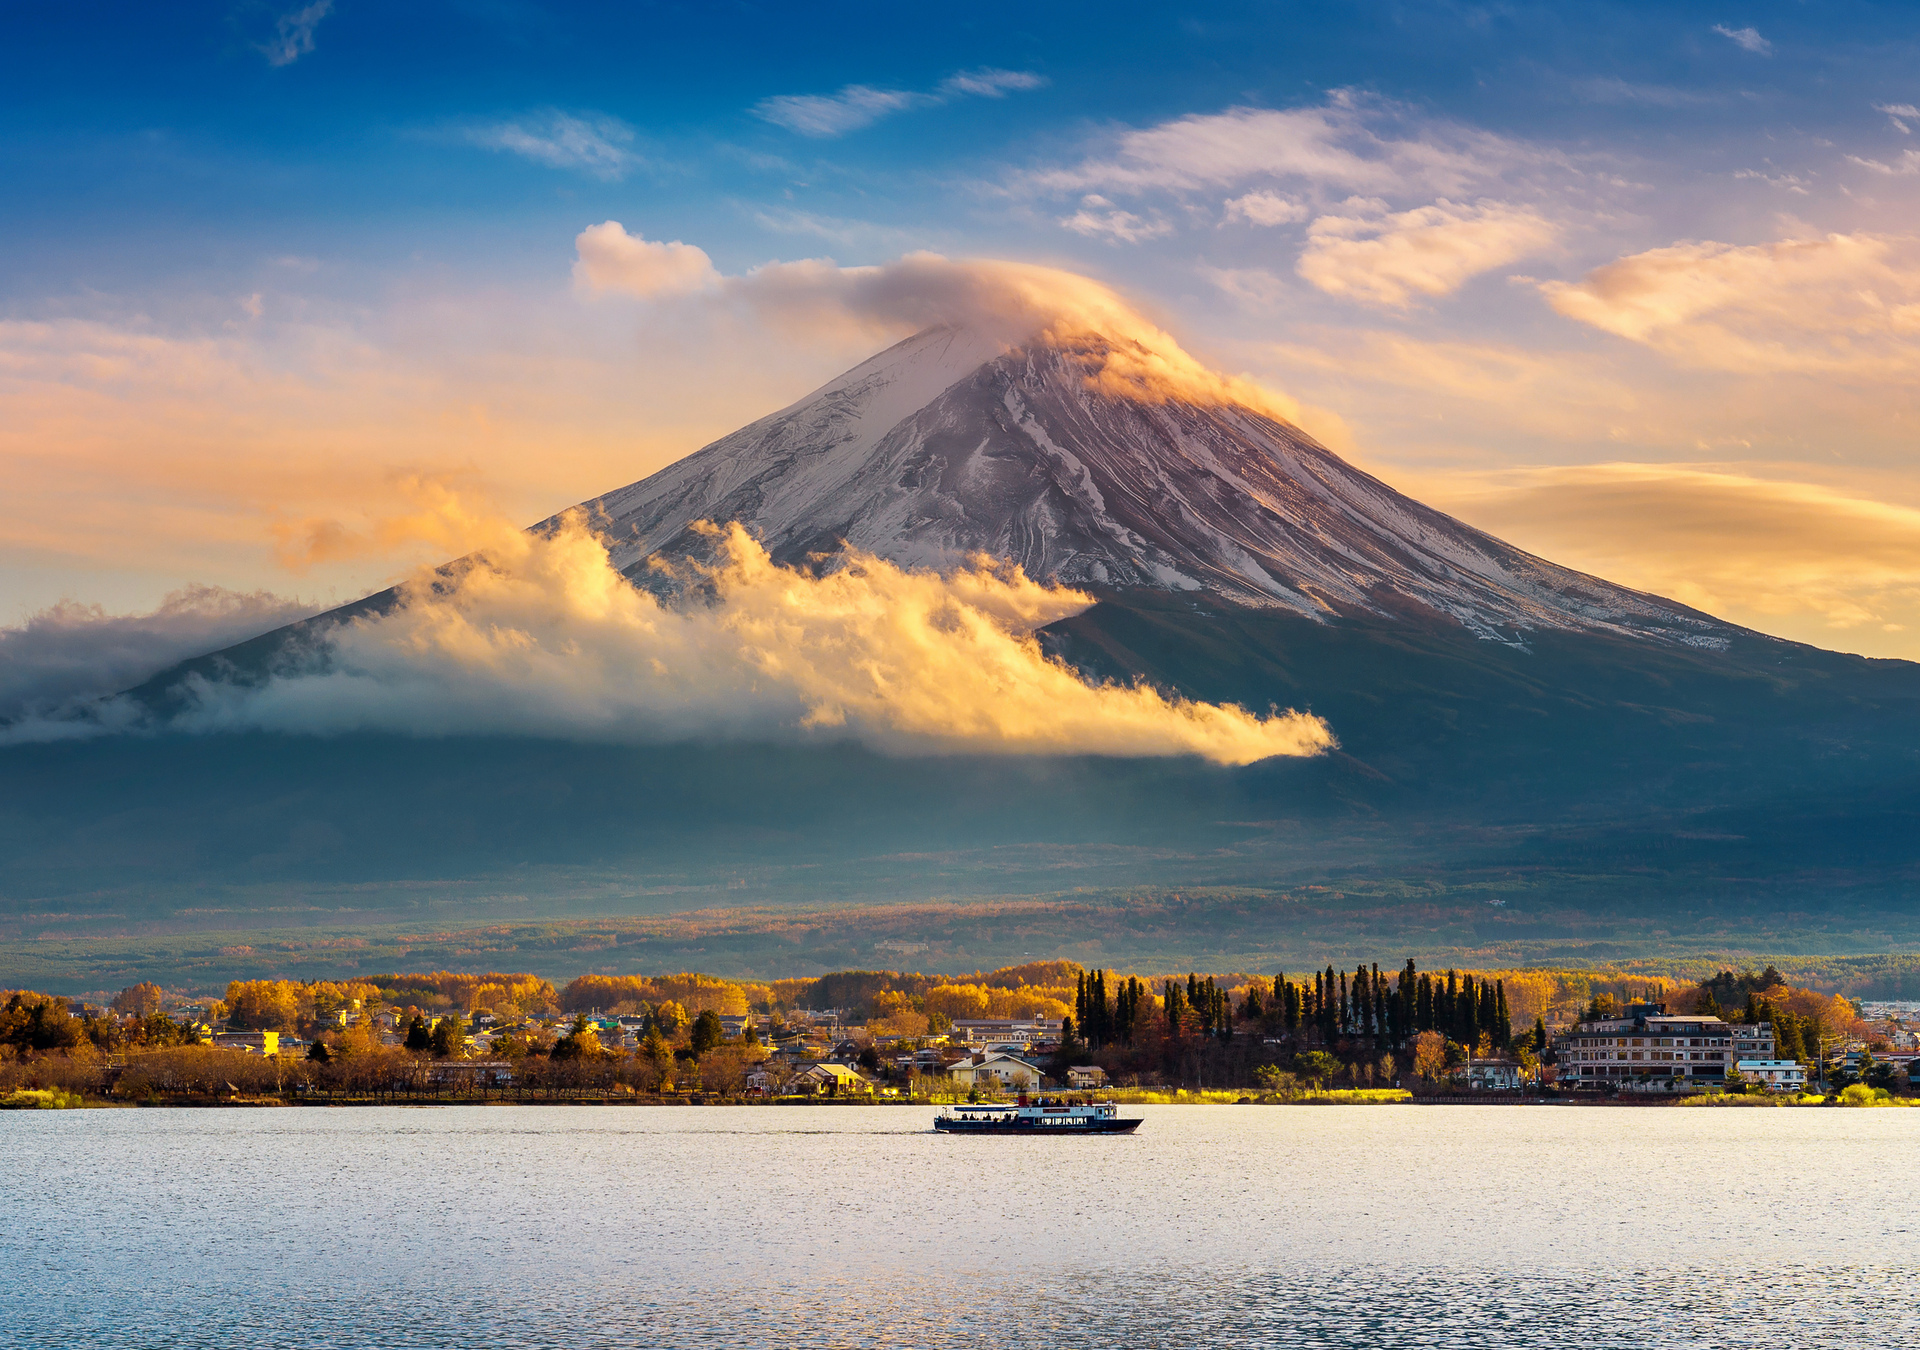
x=1052 y=455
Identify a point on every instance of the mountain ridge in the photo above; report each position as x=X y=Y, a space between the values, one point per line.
x=949 y=444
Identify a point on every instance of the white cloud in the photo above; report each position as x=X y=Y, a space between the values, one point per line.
x=70 y=653
x=1746 y=39
x=1899 y=114
x=861 y=105
x=1908 y=163
x=1845 y=304
x=1790 y=181
x=593 y=143
x=1266 y=208
x=1391 y=258
x=610 y=259
x=1348 y=144
x=990 y=83
x=1007 y=302
x=539 y=634
x=293 y=34
x=1097 y=216
x=855 y=106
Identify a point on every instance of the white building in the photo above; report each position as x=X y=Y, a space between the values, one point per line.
x=1644 y=1047
x=1003 y=1071
x=1086 y=1076
x=1490 y=1075
x=1005 y=1030
x=1779 y=1075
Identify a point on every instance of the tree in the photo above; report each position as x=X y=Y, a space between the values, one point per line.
x=1316 y=1066
x=669 y=1017
x=449 y=1037
x=418 y=1037
x=141 y=1000
x=1539 y=1046
x=1275 y=1079
x=581 y=1042
x=659 y=1055
x=264 y=1005
x=707 y=1032
x=1429 y=1055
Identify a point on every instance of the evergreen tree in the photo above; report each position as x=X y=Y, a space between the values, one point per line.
x=1252 y=1009
x=1290 y=1005
x=1380 y=1002
x=418 y=1037
x=707 y=1032
x=1423 y=1005
x=1502 y=1017
x=1540 y=1037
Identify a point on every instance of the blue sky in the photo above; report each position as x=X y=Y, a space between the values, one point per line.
x=1569 y=271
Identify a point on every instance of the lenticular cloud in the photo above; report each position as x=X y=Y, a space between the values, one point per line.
x=540 y=635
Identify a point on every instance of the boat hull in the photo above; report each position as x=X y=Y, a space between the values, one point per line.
x=1035 y=1127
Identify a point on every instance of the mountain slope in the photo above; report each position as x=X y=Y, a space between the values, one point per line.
x=947 y=445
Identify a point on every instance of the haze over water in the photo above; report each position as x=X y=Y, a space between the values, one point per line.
x=564 y=1227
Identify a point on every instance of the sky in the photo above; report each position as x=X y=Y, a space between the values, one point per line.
x=294 y=297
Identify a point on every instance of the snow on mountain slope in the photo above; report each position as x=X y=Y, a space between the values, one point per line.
x=949 y=444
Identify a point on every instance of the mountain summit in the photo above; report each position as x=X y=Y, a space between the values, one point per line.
x=951 y=443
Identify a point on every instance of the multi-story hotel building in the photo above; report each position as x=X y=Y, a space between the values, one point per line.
x=1644 y=1046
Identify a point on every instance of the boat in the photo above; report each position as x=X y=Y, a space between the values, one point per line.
x=1047 y=1116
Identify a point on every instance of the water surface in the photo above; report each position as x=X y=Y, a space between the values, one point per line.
x=622 y=1226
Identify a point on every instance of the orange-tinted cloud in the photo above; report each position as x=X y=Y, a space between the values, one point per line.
x=1843 y=305
x=1792 y=558
x=540 y=634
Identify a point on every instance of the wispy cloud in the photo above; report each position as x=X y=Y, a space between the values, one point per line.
x=1909 y=162
x=1746 y=39
x=1098 y=217
x=1899 y=114
x=1266 y=208
x=861 y=105
x=293 y=34
x=1391 y=258
x=990 y=83
x=590 y=143
x=1843 y=305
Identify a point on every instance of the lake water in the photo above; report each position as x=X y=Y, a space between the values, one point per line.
x=640 y=1227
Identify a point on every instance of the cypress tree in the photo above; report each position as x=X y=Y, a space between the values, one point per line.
x=1290 y=1005
x=1080 y=1001
x=1487 y=1022
x=1446 y=1016
x=1502 y=1017
x=1540 y=1036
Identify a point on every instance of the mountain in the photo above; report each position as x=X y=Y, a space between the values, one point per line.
x=947 y=445
x=1531 y=760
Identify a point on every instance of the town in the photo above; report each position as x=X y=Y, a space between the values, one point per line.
x=1360 y=1035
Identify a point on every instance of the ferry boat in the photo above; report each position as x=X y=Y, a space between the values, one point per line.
x=1048 y=1116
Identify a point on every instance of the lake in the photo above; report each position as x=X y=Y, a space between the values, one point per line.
x=855 y=1226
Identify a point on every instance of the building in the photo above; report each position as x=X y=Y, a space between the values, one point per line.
x=254 y=1042
x=837 y=1079
x=1086 y=1076
x=482 y=1073
x=982 y=1031
x=1753 y=1041
x=1779 y=1075
x=1643 y=1047
x=997 y=1070
x=1489 y=1075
